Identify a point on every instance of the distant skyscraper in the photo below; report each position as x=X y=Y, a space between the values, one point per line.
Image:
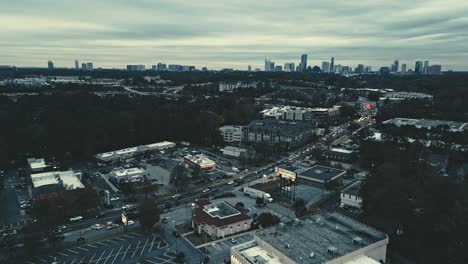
x=384 y=70
x=360 y=68
x=249 y=68
x=50 y=65
x=267 y=65
x=395 y=66
x=332 y=64
x=403 y=68
x=89 y=66
x=426 y=67
x=84 y=66
x=434 y=69
x=288 y=67
x=77 y=65
x=325 y=66
x=418 y=67
x=159 y=67
x=278 y=68
x=135 y=67
x=303 y=62
x=368 y=69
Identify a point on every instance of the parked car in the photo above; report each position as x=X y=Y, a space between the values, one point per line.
x=115 y=199
x=112 y=226
x=76 y=218
x=233 y=240
x=97 y=226
x=130 y=222
x=231 y=182
x=164 y=221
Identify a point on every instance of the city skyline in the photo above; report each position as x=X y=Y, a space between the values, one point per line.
x=149 y=32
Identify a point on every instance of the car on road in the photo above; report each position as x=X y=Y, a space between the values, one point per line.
x=206 y=190
x=233 y=240
x=130 y=222
x=165 y=220
x=112 y=226
x=230 y=182
x=76 y=218
x=176 y=196
x=97 y=226
x=113 y=199
x=25 y=206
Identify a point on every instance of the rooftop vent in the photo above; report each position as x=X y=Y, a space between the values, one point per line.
x=332 y=250
x=312 y=255
x=358 y=240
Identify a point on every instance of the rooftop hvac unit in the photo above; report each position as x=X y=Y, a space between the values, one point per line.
x=312 y=255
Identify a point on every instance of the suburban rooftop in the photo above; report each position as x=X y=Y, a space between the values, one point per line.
x=327 y=236
x=320 y=172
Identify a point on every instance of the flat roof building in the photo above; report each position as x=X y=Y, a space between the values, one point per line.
x=199 y=160
x=428 y=123
x=36 y=165
x=323 y=238
x=294 y=113
x=219 y=219
x=277 y=132
x=320 y=174
x=130 y=152
x=128 y=175
x=45 y=184
x=351 y=196
x=231 y=134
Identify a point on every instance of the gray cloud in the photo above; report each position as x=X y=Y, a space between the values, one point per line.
x=221 y=33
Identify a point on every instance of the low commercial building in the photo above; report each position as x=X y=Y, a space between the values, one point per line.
x=128 y=175
x=238 y=152
x=232 y=86
x=127 y=153
x=37 y=165
x=48 y=183
x=341 y=154
x=351 y=196
x=200 y=161
x=219 y=219
x=327 y=238
x=406 y=96
x=277 y=132
x=231 y=134
x=294 y=113
x=452 y=126
x=320 y=174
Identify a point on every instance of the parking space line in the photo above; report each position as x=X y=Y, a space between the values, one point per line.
x=42 y=260
x=152 y=261
x=91 y=260
x=126 y=252
x=85 y=249
x=29 y=262
x=100 y=256
x=81 y=260
x=128 y=236
x=51 y=257
x=91 y=246
x=100 y=243
x=136 y=234
x=152 y=244
x=118 y=238
x=73 y=261
x=72 y=251
x=136 y=249
x=109 y=255
x=143 y=249
x=165 y=260
x=63 y=254
x=113 y=242
x=117 y=254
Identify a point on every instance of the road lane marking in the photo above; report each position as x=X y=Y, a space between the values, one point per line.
x=62 y=254
x=136 y=249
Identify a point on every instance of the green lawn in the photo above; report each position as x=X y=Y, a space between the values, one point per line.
x=184 y=228
x=196 y=239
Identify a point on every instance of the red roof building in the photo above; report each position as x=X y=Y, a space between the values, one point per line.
x=219 y=219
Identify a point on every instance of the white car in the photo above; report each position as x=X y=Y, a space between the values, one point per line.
x=97 y=226
x=130 y=222
x=206 y=190
x=112 y=226
x=231 y=182
x=76 y=218
x=115 y=199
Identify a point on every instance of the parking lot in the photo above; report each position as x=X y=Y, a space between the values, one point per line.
x=130 y=248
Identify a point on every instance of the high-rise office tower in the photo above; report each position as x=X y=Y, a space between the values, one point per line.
x=303 y=62
x=267 y=65
x=288 y=67
x=325 y=66
x=89 y=66
x=426 y=67
x=403 y=68
x=278 y=68
x=360 y=68
x=50 y=65
x=418 y=67
x=84 y=66
x=395 y=66
x=249 y=68
x=77 y=65
x=368 y=69
x=332 y=64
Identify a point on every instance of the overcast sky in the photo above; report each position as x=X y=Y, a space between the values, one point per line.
x=234 y=33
